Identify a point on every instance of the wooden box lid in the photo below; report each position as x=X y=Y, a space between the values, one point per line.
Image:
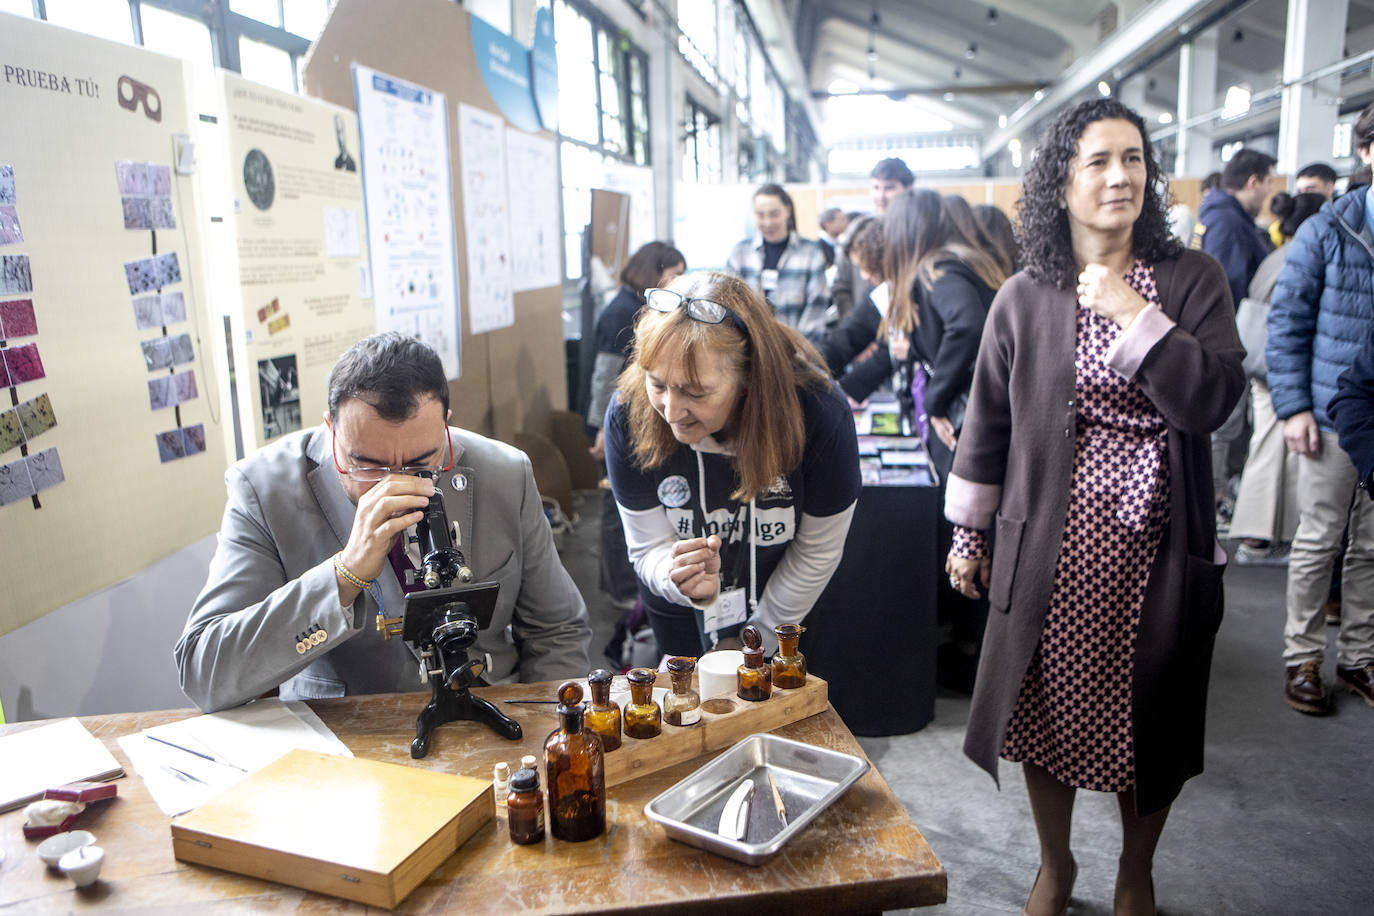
x=357 y=829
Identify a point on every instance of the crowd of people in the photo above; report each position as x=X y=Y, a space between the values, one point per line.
x=1089 y=382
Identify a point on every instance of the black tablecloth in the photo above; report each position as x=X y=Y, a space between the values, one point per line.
x=872 y=634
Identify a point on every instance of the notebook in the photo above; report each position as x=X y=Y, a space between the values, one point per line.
x=39 y=758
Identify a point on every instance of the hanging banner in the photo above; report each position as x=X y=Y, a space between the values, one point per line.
x=505 y=67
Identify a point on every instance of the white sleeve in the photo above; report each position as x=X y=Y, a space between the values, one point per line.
x=802 y=573
x=649 y=540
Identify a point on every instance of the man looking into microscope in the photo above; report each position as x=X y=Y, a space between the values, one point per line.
x=319 y=514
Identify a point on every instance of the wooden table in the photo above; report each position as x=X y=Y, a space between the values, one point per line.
x=863 y=854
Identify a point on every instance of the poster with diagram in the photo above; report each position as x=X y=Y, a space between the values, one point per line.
x=409 y=195
x=111 y=435
x=486 y=219
x=536 y=234
x=304 y=283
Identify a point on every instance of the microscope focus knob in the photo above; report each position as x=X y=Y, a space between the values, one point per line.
x=389 y=626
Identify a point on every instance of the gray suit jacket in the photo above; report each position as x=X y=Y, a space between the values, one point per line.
x=272 y=584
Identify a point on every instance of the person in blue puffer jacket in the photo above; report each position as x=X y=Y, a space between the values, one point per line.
x=1321 y=310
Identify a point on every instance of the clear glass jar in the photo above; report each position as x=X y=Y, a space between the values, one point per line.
x=789 y=665
x=683 y=705
x=643 y=718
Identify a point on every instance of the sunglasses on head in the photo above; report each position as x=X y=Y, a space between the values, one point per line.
x=707 y=311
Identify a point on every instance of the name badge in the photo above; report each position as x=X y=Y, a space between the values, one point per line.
x=768 y=279
x=730 y=609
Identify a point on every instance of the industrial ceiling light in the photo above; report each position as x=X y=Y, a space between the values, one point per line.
x=972 y=51
x=992 y=15
x=1103 y=88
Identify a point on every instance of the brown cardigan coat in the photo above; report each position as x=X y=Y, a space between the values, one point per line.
x=1012 y=474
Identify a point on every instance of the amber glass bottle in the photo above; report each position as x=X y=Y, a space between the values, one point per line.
x=754 y=678
x=576 y=772
x=604 y=716
x=525 y=808
x=683 y=705
x=789 y=665
x=643 y=718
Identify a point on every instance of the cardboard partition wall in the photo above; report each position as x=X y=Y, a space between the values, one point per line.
x=511 y=377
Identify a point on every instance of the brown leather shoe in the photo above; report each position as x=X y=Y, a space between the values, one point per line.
x=1359 y=681
x=1304 y=690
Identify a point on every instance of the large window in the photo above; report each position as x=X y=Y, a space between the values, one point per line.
x=602 y=84
x=265 y=40
x=697 y=43
x=701 y=145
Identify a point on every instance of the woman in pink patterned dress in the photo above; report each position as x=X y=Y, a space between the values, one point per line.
x=1081 y=492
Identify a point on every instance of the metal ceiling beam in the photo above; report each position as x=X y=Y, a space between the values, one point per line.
x=1128 y=40
x=951 y=88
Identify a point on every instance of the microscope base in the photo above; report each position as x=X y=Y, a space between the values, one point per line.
x=458 y=705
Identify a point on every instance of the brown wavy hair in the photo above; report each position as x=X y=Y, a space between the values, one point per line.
x=773 y=362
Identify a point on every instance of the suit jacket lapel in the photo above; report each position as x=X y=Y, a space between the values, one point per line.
x=324 y=483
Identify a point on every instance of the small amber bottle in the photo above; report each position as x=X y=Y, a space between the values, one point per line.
x=525 y=808
x=604 y=716
x=576 y=771
x=754 y=678
x=643 y=718
x=789 y=665
x=683 y=705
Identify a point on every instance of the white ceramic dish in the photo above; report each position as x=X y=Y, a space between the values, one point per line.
x=58 y=845
x=82 y=864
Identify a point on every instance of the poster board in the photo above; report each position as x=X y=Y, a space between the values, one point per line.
x=102 y=243
x=610 y=229
x=407 y=187
x=304 y=291
x=512 y=377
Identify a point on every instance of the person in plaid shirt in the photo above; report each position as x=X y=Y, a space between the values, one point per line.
x=787 y=269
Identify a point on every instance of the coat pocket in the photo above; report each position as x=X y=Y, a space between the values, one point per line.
x=1006 y=553
x=1202 y=605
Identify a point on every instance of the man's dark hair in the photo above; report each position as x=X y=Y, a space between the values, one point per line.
x=1364 y=128
x=1318 y=170
x=390 y=372
x=893 y=169
x=1042 y=226
x=1243 y=164
x=829 y=214
x=1209 y=181
x=644 y=268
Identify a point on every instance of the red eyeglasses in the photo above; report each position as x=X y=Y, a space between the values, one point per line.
x=372 y=475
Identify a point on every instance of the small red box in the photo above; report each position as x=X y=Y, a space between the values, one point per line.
x=83 y=791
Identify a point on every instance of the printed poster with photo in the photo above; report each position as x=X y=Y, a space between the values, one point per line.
x=305 y=288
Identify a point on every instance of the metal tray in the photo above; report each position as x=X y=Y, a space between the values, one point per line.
x=808 y=778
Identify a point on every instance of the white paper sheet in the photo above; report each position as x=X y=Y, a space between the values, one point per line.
x=536 y=236
x=408 y=190
x=486 y=219
x=243 y=740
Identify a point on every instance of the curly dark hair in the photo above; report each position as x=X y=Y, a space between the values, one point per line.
x=1042 y=225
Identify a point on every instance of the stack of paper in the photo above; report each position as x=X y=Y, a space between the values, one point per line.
x=39 y=758
x=185 y=763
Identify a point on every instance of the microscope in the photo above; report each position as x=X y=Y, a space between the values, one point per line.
x=441 y=622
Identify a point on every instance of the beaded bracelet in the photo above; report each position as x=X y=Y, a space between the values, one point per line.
x=363 y=584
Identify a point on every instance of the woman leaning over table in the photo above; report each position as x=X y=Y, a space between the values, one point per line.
x=734 y=463
x=1104 y=366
